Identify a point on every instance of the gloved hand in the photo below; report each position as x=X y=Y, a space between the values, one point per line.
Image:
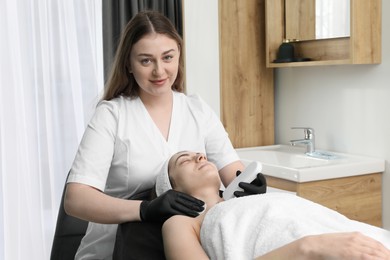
x=168 y=204
x=257 y=186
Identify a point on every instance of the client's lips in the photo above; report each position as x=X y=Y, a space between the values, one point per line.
x=203 y=165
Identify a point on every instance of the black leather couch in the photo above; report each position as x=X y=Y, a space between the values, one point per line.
x=68 y=234
x=134 y=240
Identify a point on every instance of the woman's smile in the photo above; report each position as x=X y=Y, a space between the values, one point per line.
x=159 y=82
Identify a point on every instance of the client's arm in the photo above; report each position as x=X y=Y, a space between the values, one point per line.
x=351 y=245
x=181 y=239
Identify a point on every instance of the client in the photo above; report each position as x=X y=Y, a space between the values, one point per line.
x=267 y=226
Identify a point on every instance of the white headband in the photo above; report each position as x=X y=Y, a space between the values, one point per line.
x=162 y=182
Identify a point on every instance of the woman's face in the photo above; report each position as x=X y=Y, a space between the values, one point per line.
x=154 y=62
x=190 y=171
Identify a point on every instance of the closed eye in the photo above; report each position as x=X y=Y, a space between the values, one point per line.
x=181 y=158
x=184 y=160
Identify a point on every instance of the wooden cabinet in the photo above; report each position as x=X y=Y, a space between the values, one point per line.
x=357 y=197
x=362 y=47
x=247 y=86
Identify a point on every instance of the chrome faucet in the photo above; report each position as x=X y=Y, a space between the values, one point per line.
x=308 y=139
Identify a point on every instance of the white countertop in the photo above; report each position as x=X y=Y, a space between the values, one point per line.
x=291 y=163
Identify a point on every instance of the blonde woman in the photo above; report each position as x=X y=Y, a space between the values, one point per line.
x=144 y=117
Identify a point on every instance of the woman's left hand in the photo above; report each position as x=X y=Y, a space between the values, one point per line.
x=257 y=186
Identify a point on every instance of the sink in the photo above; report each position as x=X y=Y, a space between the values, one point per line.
x=291 y=163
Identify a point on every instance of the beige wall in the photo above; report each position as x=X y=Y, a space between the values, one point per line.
x=348 y=106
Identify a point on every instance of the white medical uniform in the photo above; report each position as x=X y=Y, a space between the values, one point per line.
x=122 y=150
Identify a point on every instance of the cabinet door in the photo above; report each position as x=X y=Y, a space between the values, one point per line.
x=357 y=197
x=247 y=88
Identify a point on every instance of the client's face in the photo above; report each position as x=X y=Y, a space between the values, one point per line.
x=190 y=171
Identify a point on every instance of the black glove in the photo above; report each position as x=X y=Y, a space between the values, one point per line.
x=168 y=204
x=257 y=186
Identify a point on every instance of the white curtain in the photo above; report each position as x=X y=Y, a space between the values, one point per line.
x=51 y=73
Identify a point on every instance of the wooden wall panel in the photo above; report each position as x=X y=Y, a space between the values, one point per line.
x=247 y=86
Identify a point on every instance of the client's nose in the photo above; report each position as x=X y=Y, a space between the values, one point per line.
x=200 y=157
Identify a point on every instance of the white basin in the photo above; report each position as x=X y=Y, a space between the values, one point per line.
x=291 y=163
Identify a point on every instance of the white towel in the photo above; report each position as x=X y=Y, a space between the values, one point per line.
x=247 y=227
x=163 y=183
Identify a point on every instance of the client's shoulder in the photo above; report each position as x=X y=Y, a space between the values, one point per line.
x=178 y=220
x=176 y=225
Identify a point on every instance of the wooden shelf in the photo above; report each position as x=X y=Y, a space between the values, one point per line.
x=362 y=47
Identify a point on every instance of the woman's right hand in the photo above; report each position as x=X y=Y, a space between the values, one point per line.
x=168 y=204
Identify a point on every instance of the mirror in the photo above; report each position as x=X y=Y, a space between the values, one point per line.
x=316 y=19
